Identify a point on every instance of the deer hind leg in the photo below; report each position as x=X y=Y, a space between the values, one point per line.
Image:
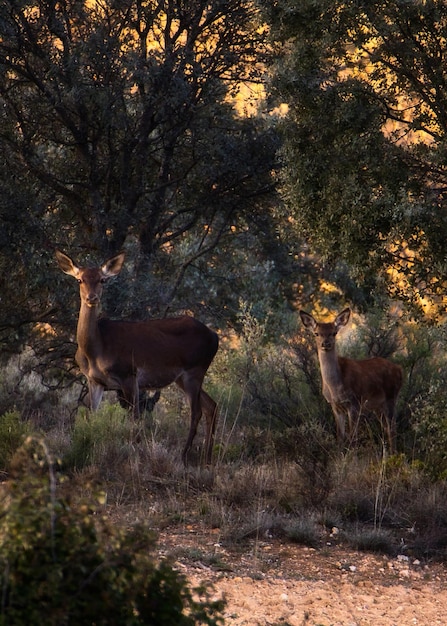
x=192 y=387
x=209 y=408
x=389 y=426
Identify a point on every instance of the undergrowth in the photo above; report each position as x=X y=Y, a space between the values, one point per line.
x=278 y=470
x=375 y=501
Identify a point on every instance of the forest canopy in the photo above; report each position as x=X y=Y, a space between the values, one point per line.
x=120 y=130
x=364 y=139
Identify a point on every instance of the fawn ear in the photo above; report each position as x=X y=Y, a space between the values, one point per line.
x=66 y=264
x=113 y=266
x=308 y=320
x=343 y=318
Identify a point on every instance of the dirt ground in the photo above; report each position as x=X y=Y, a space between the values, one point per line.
x=272 y=582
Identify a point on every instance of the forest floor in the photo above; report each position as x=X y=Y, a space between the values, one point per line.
x=268 y=582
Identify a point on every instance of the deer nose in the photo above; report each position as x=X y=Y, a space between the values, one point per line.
x=326 y=344
x=92 y=299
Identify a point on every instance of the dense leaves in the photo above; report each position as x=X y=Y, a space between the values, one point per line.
x=365 y=134
x=61 y=563
x=119 y=129
x=122 y=128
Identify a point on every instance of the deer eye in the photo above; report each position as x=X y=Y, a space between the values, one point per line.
x=79 y=280
x=103 y=280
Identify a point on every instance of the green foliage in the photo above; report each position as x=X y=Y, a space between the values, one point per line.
x=21 y=386
x=101 y=438
x=263 y=371
x=429 y=420
x=123 y=151
x=423 y=412
x=12 y=433
x=361 y=175
x=61 y=563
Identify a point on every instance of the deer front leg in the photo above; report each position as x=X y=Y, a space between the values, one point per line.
x=340 y=422
x=95 y=392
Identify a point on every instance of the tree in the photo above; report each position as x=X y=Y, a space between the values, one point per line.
x=365 y=134
x=119 y=130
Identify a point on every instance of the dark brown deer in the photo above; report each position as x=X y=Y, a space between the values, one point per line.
x=355 y=387
x=128 y=355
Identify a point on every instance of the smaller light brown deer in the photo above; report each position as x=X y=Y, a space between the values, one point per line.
x=355 y=388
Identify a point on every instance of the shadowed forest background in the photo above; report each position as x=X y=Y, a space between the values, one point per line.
x=251 y=159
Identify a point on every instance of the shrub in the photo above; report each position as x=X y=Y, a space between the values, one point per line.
x=430 y=428
x=373 y=540
x=60 y=564
x=303 y=531
x=12 y=433
x=101 y=438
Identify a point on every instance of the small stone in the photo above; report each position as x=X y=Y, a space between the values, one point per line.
x=405 y=573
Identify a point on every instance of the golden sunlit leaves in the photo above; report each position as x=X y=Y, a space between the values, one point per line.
x=367 y=65
x=406 y=276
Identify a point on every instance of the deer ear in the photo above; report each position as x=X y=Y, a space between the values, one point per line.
x=308 y=320
x=343 y=318
x=113 y=266
x=66 y=264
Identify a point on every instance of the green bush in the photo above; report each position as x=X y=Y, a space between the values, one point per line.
x=101 y=438
x=62 y=564
x=12 y=433
x=430 y=429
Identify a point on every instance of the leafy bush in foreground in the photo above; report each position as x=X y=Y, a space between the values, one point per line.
x=60 y=564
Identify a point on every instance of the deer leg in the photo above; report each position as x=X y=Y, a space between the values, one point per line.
x=196 y=414
x=354 y=414
x=390 y=425
x=209 y=407
x=95 y=392
x=340 y=423
x=130 y=392
x=191 y=387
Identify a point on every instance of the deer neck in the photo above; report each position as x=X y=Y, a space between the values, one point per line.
x=330 y=370
x=87 y=335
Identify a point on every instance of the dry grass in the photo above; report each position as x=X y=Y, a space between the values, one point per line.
x=267 y=480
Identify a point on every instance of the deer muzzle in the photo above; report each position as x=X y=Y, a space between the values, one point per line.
x=92 y=300
x=327 y=345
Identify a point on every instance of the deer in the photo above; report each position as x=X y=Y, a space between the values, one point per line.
x=129 y=356
x=355 y=388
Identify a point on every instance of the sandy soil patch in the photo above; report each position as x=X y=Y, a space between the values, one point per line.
x=272 y=582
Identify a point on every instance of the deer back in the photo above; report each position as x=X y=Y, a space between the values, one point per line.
x=374 y=381
x=179 y=342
